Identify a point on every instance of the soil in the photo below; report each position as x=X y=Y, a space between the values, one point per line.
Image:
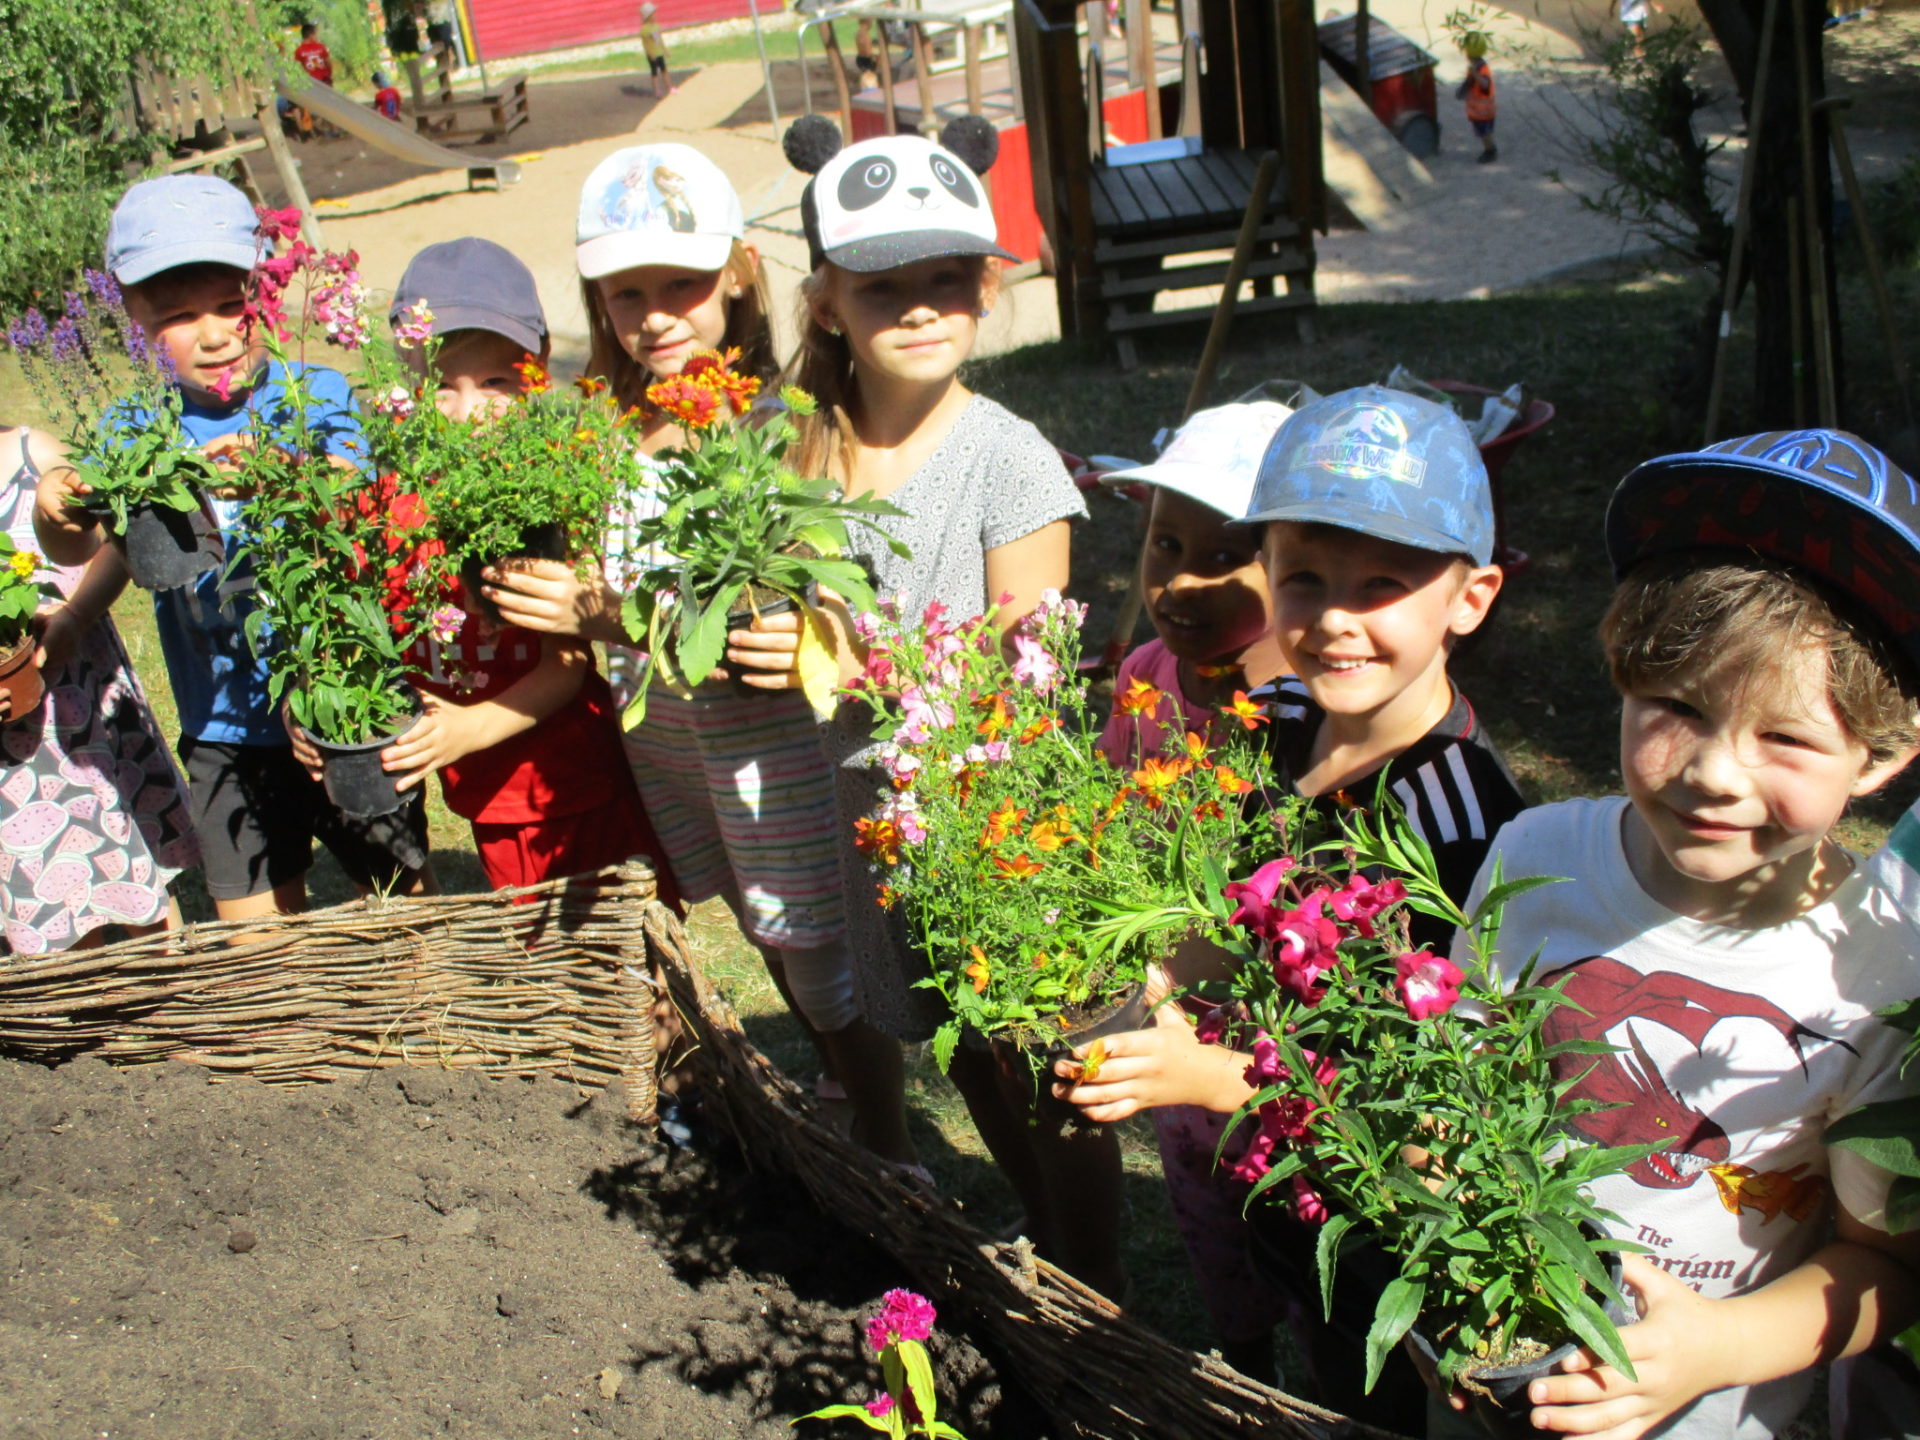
x=424 y=1252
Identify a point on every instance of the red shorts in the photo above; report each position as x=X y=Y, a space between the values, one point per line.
x=527 y=852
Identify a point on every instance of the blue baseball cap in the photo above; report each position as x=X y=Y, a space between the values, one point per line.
x=1823 y=500
x=177 y=220
x=1383 y=463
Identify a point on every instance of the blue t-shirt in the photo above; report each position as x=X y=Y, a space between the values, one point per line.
x=219 y=685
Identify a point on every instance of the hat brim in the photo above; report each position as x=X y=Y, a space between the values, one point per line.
x=201 y=250
x=1192 y=481
x=1710 y=501
x=1380 y=525
x=889 y=252
x=449 y=318
x=627 y=249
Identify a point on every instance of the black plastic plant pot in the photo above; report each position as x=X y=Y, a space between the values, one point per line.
x=355 y=782
x=743 y=620
x=166 y=549
x=537 y=542
x=1049 y=1109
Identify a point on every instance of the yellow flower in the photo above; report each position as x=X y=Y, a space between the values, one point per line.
x=23 y=563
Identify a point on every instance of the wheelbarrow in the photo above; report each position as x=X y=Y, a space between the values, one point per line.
x=1495 y=454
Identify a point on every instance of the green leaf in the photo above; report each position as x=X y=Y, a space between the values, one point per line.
x=1886 y=1133
x=850 y=1412
x=701 y=648
x=1564 y=1243
x=1399 y=1307
x=920 y=1384
x=1326 y=1255
x=1585 y=1319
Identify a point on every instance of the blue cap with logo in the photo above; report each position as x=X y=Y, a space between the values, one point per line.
x=1383 y=463
x=175 y=220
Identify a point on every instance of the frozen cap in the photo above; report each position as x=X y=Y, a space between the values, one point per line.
x=661 y=204
x=1383 y=463
x=896 y=199
x=1215 y=457
x=1822 y=500
x=474 y=284
x=177 y=220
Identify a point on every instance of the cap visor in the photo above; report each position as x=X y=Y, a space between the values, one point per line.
x=1380 y=526
x=889 y=252
x=625 y=249
x=1196 y=482
x=198 y=251
x=447 y=319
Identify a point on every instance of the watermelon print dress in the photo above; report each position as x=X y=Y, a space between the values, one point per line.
x=93 y=815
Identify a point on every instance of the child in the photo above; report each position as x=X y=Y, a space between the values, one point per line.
x=1378 y=543
x=902 y=243
x=90 y=789
x=1206 y=592
x=1762 y=639
x=738 y=785
x=1477 y=91
x=180 y=247
x=386 y=98
x=311 y=54
x=520 y=726
x=655 y=46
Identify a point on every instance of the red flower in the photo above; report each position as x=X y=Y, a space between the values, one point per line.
x=694 y=405
x=278 y=224
x=1428 y=985
x=1360 y=900
x=534 y=379
x=1254 y=895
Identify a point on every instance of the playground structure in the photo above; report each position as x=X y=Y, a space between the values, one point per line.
x=492 y=113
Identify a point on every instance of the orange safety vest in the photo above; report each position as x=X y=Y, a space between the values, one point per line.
x=1480 y=104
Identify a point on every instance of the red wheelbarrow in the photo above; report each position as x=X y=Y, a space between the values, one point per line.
x=1496 y=452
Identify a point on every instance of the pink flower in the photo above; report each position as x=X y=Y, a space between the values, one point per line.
x=416 y=328
x=903 y=1316
x=880 y=1406
x=1360 y=900
x=1267 y=1067
x=1428 y=984
x=1304 y=944
x=1034 y=665
x=445 y=623
x=1256 y=1159
x=1212 y=1028
x=899 y=765
x=1254 y=895
x=277 y=224
x=1307 y=1206
x=396 y=402
x=921 y=717
x=992 y=753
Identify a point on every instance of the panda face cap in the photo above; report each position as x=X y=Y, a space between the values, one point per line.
x=891 y=201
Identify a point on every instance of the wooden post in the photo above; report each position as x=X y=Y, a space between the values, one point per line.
x=1143 y=64
x=1363 y=51
x=1815 y=255
x=830 y=41
x=1742 y=221
x=1876 y=276
x=923 y=79
x=975 y=96
x=412 y=66
x=1189 y=86
x=883 y=52
x=296 y=188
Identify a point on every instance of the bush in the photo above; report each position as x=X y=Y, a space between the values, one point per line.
x=55 y=197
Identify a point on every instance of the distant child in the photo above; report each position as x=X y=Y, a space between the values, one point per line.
x=520 y=726
x=1477 y=91
x=655 y=46
x=1378 y=538
x=737 y=784
x=312 y=56
x=180 y=247
x=1206 y=593
x=902 y=243
x=1763 y=642
x=93 y=816
x=386 y=99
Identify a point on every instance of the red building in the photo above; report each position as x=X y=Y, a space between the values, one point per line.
x=504 y=28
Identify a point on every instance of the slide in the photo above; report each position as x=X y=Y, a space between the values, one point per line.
x=395 y=139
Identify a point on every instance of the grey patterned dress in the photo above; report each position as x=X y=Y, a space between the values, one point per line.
x=992 y=481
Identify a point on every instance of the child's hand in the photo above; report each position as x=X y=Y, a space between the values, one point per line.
x=1677 y=1352
x=1165 y=1065
x=304 y=751
x=59 y=630
x=50 y=496
x=769 y=650
x=444 y=735
x=545 y=595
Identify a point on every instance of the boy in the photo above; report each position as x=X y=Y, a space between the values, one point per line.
x=1763 y=642
x=655 y=46
x=1477 y=91
x=520 y=726
x=181 y=247
x=1378 y=546
x=312 y=56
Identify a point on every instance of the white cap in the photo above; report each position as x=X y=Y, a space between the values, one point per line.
x=1215 y=457
x=656 y=205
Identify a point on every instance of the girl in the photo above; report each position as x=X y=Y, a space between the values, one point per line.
x=94 y=822
x=737 y=785
x=903 y=244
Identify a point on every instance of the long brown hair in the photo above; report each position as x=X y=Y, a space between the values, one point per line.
x=749 y=327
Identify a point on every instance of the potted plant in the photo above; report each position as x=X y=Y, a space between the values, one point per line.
x=738 y=533
x=113 y=401
x=1391 y=1111
x=1040 y=880
x=20 y=596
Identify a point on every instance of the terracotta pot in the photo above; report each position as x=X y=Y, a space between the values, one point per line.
x=20 y=680
x=165 y=548
x=537 y=542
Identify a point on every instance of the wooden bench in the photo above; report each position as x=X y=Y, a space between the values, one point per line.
x=486 y=116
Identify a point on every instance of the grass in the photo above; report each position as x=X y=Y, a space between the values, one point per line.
x=692 y=54
x=1604 y=355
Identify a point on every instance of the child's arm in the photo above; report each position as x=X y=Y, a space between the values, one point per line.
x=545 y=595
x=62 y=626
x=447 y=733
x=1843 y=1300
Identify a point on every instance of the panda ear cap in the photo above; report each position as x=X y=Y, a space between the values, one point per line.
x=810 y=142
x=972 y=138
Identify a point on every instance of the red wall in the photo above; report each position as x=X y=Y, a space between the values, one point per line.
x=504 y=28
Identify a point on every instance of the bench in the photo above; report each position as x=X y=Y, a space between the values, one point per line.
x=486 y=116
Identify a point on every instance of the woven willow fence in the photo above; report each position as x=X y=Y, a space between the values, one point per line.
x=561 y=979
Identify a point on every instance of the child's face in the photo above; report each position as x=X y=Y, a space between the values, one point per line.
x=664 y=314
x=1205 y=586
x=1363 y=621
x=913 y=324
x=194 y=315
x=1733 y=781
x=476 y=375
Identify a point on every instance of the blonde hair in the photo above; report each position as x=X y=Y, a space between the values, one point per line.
x=1736 y=618
x=749 y=327
x=823 y=367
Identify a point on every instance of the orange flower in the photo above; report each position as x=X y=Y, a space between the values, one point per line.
x=1245 y=711
x=1196 y=746
x=887 y=896
x=1208 y=810
x=978 y=971
x=1018 y=868
x=1053 y=835
x=1039 y=959
x=694 y=405
x=1002 y=823
x=1159 y=773
x=1038 y=728
x=1090 y=1067
x=589 y=386
x=878 y=838
x=1230 y=783
x=998 y=716
x=715 y=371
x=1139 y=698
x=534 y=379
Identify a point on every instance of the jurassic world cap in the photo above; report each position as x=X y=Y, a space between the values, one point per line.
x=1823 y=500
x=175 y=220
x=474 y=284
x=661 y=204
x=896 y=199
x=1383 y=463
x=1215 y=456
